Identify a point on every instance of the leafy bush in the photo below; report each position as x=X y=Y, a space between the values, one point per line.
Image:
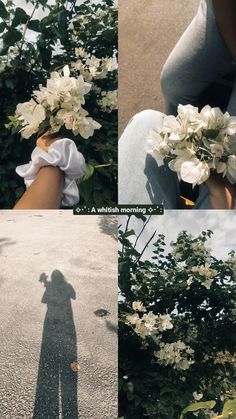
x=61 y=37
x=177 y=326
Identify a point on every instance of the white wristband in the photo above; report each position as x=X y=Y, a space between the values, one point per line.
x=64 y=154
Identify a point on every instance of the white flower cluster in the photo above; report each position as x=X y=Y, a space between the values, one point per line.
x=149 y=324
x=195 y=143
x=231 y=261
x=204 y=271
x=56 y=105
x=91 y=67
x=115 y=5
x=224 y=357
x=109 y=101
x=177 y=354
x=197 y=246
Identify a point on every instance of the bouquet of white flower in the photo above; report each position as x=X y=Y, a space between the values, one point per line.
x=57 y=105
x=196 y=143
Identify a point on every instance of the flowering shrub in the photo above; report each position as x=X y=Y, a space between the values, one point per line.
x=82 y=40
x=176 y=333
x=196 y=143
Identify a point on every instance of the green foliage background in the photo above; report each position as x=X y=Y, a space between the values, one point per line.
x=204 y=319
x=24 y=65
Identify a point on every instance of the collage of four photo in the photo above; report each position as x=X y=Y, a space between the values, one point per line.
x=117 y=209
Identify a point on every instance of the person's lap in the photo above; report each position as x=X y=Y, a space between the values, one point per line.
x=141 y=181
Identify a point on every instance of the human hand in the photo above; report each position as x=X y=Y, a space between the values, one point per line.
x=43 y=277
x=222 y=193
x=46 y=140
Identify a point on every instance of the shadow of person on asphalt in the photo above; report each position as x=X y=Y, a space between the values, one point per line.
x=56 y=381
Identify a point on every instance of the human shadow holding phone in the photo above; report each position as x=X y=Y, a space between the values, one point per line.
x=58 y=351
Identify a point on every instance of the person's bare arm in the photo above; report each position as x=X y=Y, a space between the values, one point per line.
x=225 y=13
x=45 y=192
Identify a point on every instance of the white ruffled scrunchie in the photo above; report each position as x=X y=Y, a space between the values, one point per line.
x=64 y=154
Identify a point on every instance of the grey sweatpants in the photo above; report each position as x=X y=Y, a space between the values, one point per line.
x=199 y=59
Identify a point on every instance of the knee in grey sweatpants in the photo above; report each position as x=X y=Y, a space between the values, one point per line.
x=199 y=59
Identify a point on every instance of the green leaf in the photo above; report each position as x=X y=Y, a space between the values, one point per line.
x=11 y=37
x=3 y=11
x=10 y=84
x=20 y=17
x=62 y=25
x=34 y=25
x=2 y=26
x=198 y=406
x=130 y=387
x=229 y=410
x=88 y=173
x=129 y=233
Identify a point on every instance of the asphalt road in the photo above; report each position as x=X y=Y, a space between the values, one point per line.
x=148 y=30
x=40 y=339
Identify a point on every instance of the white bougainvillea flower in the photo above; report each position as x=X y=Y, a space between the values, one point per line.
x=80 y=52
x=109 y=101
x=157 y=146
x=182 y=154
x=205 y=270
x=189 y=168
x=217 y=149
x=55 y=123
x=221 y=167
x=93 y=65
x=32 y=115
x=150 y=320
x=172 y=127
x=86 y=127
x=138 y=306
x=189 y=120
x=207 y=283
x=197 y=396
x=133 y=318
x=189 y=282
x=194 y=171
x=110 y=63
x=164 y=322
x=216 y=119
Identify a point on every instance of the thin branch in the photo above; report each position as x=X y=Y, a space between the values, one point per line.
x=144 y=226
x=25 y=29
x=145 y=247
x=126 y=228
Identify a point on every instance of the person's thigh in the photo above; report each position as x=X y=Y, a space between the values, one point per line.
x=199 y=59
x=141 y=181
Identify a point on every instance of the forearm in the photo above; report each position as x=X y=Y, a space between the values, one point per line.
x=225 y=13
x=45 y=191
